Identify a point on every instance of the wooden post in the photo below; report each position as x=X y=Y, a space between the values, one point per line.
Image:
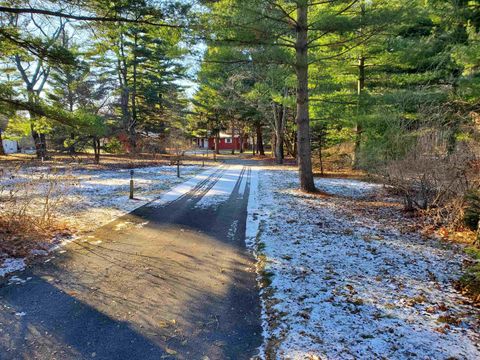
x=131 y=184
x=178 y=167
x=203 y=160
x=477 y=240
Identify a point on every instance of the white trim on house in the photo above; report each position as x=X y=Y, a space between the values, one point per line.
x=224 y=135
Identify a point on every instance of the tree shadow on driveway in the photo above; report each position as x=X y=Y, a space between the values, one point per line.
x=172 y=281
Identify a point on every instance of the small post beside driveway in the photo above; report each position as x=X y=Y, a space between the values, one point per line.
x=131 y=184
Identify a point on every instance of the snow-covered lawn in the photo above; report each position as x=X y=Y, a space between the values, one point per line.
x=87 y=199
x=349 y=280
x=91 y=198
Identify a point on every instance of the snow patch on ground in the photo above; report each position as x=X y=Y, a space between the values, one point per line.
x=346 y=283
x=182 y=189
x=88 y=199
x=16 y=280
x=222 y=190
x=346 y=187
x=92 y=198
x=10 y=265
x=104 y=197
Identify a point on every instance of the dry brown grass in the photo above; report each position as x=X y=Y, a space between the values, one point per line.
x=107 y=161
x=28 y=206
x=19 y=235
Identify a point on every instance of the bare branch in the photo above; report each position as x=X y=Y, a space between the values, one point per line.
x=60 y=14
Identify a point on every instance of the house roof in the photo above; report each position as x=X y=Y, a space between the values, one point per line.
x=224 y=135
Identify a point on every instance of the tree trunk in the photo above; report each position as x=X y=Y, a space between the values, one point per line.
x=123 y=80
x=38 y=139
x=71 y=103
x=279 y=154
x=253 y=144
x=260 y=148
x=38 y=78
x=233 y=137
x=217 y=143
x=133 y=123
x=320 y=157
x=242 y=139
x=2 y=150
x=358 y=125
x=280 y=117
x=71 y=148
x=96 y=150
x=303 y=119
x=40 y=145
x=360 y=87
x=290 y=141
x=43 y=145
x=273 y=141
x=477 y=240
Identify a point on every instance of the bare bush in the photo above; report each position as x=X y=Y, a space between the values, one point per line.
x=438 y=172
x=30 y=200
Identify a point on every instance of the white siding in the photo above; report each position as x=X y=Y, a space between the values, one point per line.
x=10 y=146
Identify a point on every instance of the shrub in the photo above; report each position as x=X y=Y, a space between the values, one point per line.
x=472 y=209
x=29 y=203
x=113 y=146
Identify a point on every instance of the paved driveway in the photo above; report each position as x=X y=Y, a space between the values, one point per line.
x=168 y=281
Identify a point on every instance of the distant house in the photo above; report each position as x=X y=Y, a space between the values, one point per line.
x=23 y=144
x=225 y=142
x=10 y=146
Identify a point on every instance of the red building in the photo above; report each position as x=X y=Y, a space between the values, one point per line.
x=226 y=142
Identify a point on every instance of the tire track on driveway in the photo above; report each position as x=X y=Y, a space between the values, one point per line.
x=165 y=281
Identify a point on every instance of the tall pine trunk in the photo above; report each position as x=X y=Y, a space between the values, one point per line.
x=96 y=150
x=279 y=113
x=233 y=138
x=2 y=150
x=123 y=78
x=217 y=143
x=279 y=154
x=303 y=119
x=260 y=148
x=320 y=155
x=71 y=148
x=290 y=142
x=360 y=87
x=38 y=139
x=253 y=144
x=43 y=145
x=71 y=101
x=273 y=141
x=132 y=126
x=358 y=125
x=242 y=141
